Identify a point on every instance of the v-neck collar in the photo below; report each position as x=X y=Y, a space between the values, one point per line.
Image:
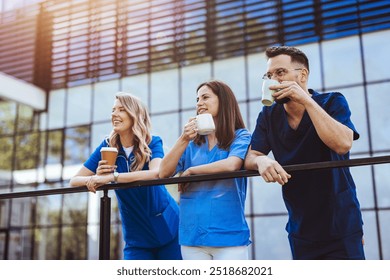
x=207 y=145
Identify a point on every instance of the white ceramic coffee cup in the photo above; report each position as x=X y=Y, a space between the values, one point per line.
x=266 y=98
x=205 y=124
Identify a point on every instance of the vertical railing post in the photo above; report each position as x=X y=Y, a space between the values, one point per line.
x=105 y=224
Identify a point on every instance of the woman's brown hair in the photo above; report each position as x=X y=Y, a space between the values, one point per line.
x=229 y=117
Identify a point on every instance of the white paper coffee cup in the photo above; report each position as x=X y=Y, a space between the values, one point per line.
x=205 y=124
x=109 y=154
x=266 y=98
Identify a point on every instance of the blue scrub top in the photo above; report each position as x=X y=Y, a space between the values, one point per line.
x=322 y=204
x=150 y=216
x=212 y=213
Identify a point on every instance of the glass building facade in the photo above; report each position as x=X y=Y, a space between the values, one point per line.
x=82 y=52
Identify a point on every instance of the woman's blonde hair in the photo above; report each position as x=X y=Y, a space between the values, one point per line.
x=141 y=129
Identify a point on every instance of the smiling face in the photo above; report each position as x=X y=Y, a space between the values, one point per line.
x=207 y=101
x=120 y=119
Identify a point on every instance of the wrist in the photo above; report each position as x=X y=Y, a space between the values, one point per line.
x=115 y=177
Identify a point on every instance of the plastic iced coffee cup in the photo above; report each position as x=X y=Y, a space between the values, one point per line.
x=109 y=154
x=205 y=124
x=266 y=98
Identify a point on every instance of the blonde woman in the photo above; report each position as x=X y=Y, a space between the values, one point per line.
x=149 y=214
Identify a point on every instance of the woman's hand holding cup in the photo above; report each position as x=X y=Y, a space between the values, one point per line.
x=104 y=168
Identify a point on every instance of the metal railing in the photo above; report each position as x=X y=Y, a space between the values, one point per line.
x=105 y=201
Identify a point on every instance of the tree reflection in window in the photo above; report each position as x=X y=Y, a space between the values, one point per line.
x=77 y=145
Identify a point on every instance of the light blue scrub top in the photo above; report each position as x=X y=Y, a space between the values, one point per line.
x=212 y=213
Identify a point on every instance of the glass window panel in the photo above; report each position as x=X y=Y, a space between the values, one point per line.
x=382 y=181
x=312 y=52
x=99 y=132
x=20 y=245
x=48 y=208
x=167 y=127
x=191 y=78
x=267 y=197
x=164 y=91
x=76 y=145
x=56 y=110
x=244 y=112
x=75 y=209
x=2 y=245
x=27 y=151
x=357 y=105
x=384 y=218
x=117 y=242
x=362 y=176
x=254 y=109
x=22 y=211
x=6 y=148
x=4 y=211
x=137 y=85
x=232 y=72
x=370 y=235
x=270 y=244
x=54 y=146
x=7 y=117
x=257 y=66
x=79 y=105
x=74 y=243
x=53 y=167
x=93 y=242
x=378 y=100
x=104 y=99
x=25 y=118
x=42 y=150
x=377 y=59
x=342 y=62
x=46 y=243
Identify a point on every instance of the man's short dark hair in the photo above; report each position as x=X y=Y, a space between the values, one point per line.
x=295 y=54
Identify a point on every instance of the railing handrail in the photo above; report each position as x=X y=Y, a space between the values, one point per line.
x=105 y=201
x=206 y=177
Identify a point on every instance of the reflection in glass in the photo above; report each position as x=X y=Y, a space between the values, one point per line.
x=54 y=147
x=46 y=243
x=25 y=118
x=20 y=245
x=74 y=243
x=76 y=145
x=116 y=241
x=22 y=211
x=2 y=245
x=4 y=212
x=75 y=209
x=6 y=147
x=7 y=117
x=48 y=208
x=27 y=151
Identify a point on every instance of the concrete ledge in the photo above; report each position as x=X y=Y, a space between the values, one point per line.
x=22 y=92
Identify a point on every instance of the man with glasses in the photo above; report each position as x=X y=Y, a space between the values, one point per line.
x=304 y=126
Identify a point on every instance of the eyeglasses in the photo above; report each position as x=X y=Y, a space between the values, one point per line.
x=279 y=73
